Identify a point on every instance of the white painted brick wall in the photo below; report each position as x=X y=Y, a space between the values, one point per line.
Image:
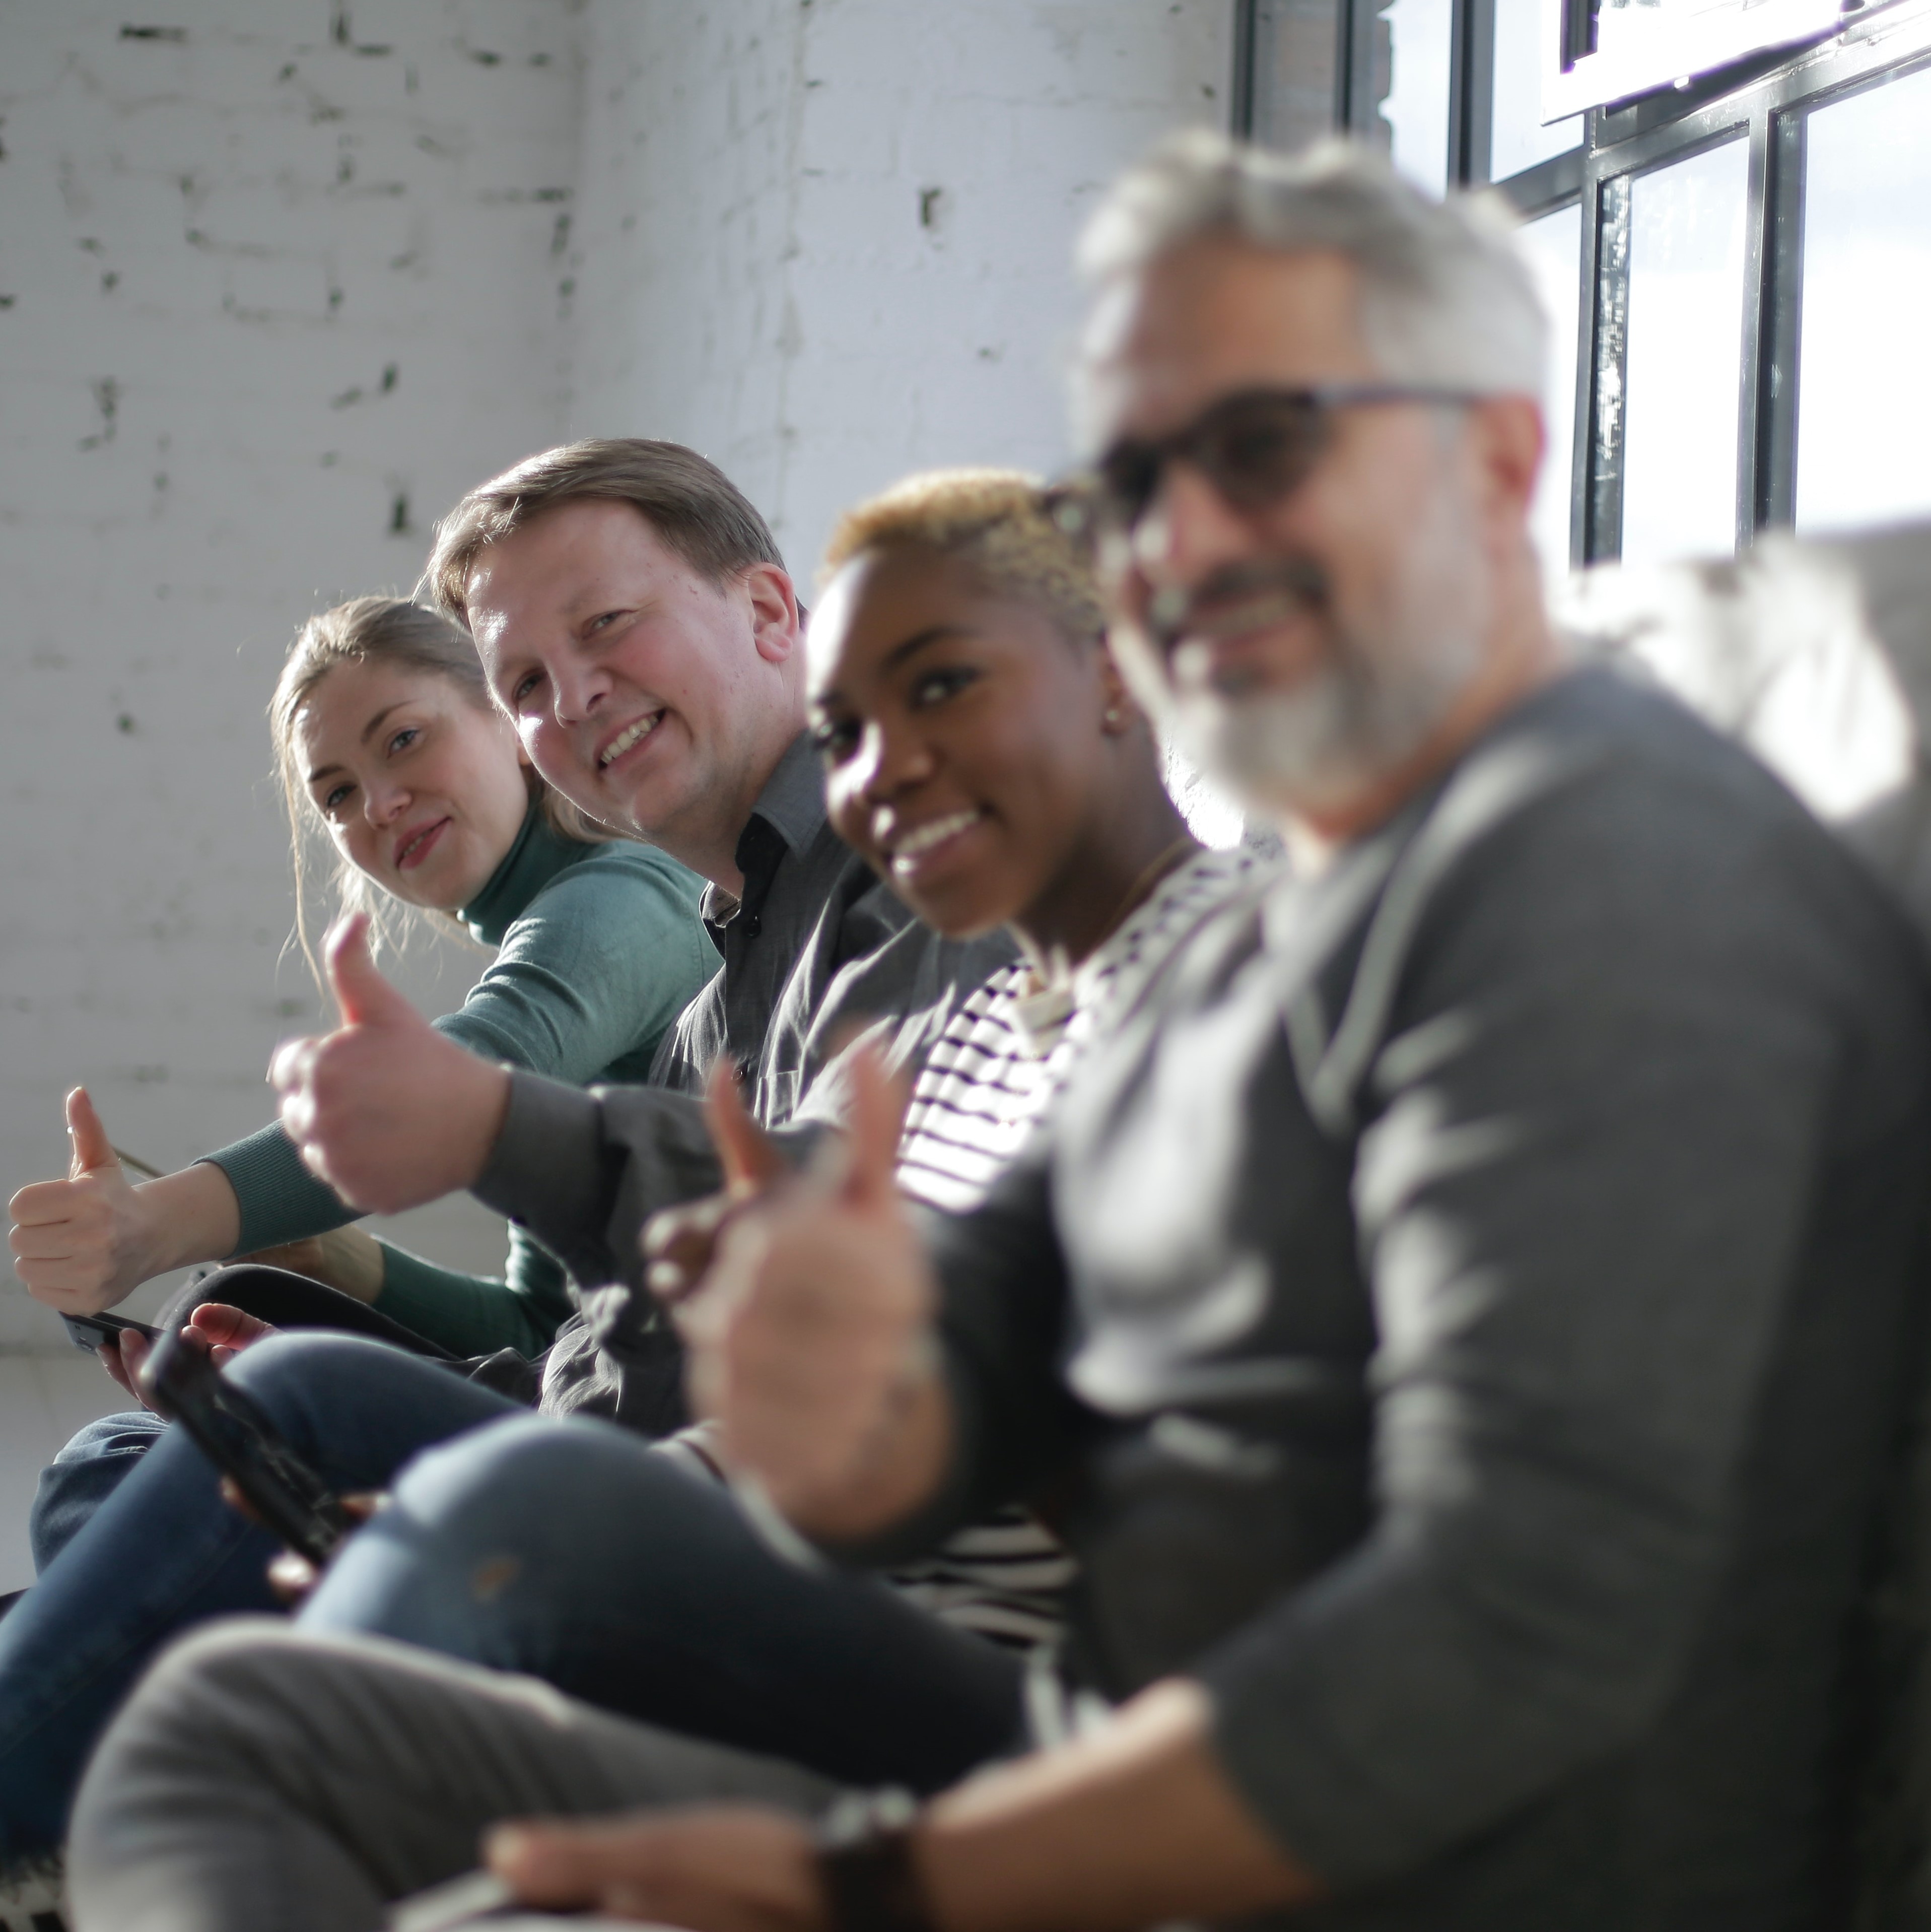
x=827 y=242
x=274 y=278
x=278 y=276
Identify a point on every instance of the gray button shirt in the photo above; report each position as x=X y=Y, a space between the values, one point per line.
x=1463 y=1322
x=816 y=947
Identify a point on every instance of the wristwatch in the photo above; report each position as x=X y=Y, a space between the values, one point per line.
x=865 y=1864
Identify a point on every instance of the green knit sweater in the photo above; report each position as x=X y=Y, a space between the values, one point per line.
x=599 y=948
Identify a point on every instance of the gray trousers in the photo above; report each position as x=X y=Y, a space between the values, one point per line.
x=265 y=1779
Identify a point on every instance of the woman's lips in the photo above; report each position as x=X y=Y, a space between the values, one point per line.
x=414 y=850
x=918 y=850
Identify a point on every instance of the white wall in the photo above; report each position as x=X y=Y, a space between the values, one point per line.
x=280 y=278
x=265 y=294
x=827 y=242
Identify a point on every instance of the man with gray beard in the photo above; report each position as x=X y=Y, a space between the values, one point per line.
x=1460 y=1322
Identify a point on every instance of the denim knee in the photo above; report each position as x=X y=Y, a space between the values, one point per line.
x=496 y=1476
x=87 y=1470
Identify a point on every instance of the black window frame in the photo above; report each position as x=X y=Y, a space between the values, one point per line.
x=1766 y=99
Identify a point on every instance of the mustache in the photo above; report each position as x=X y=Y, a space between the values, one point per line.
x=1237 y=597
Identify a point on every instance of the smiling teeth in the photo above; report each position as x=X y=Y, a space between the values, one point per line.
x=623 y=741
x=916 y=844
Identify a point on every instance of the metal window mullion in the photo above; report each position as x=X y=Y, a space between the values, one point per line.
x=1240 y=103
x=1471 y=96
x=1775 y=482
x=1600 y=465
x=1759 y=264
x=1356 y=101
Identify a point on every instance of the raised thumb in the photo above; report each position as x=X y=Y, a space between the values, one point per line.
x=751 y=1162
x=91 y=1148
x=875 y=1119
x=362 y=992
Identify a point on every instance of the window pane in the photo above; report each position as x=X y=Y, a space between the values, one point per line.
x=1864 y=392
x=1416 y=107
x=1685 y=346
x=1528 y=35
x=1554 y=247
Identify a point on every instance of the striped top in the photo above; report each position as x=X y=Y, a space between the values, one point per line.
x=988 y=1081
x=987 y=1084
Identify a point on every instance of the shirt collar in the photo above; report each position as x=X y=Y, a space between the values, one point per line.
x=540 y=853
x=789 y=815
x=792 y=801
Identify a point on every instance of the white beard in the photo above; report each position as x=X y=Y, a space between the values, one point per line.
x=1373 y=701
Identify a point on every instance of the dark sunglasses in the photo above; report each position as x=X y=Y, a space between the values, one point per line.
x=1256 y=448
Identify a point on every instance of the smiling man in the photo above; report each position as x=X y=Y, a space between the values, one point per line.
x=636 y=623
x=1463 y=1322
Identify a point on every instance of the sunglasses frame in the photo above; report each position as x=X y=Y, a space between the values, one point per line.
x=1086 y=505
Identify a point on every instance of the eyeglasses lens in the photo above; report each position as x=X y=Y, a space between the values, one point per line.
x=1254 y=450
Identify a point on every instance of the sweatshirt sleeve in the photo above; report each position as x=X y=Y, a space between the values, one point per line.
x=601 y=961
x=1582 y=1189
x=606 y=955
x=469 y=1315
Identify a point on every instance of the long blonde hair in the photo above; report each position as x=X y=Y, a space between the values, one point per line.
x=385 y=630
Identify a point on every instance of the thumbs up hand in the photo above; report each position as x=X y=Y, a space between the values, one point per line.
x=810 y=1338
x=680 y=1242
x=384 y=1109
x=82 y=1243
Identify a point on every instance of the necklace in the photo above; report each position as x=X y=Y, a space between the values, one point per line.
x=1051 y=997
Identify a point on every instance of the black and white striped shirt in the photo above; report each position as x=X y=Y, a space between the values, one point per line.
x=984 y=1087
x=988 y=1082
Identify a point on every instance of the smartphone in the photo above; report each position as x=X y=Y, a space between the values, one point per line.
x=103 y=1330
x=235 y=1434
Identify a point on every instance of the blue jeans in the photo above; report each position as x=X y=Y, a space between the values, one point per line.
x=570 y=1550
x=89 y=1469
x=164 y=1551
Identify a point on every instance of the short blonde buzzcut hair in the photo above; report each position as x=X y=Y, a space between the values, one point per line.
x=997 y=521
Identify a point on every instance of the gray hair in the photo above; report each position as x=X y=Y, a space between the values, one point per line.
x=1446 y=297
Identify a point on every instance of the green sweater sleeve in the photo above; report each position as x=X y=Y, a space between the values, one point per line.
x=601 y=960
x=476 y=1315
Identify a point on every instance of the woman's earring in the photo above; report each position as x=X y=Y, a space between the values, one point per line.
x=1113 y=718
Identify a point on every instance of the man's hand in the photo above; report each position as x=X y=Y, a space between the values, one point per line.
x=679 y=1243
x=811 y=1338
x=384 y=1109
x=719 y=1868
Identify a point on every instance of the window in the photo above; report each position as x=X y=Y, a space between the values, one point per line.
x=1730 y=216
x=1863 y=408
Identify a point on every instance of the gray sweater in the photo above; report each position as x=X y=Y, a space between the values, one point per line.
x=1464 y=1321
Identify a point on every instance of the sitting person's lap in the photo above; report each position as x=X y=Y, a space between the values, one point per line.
x=164 y=1551
x=573 y=1551
x=409 y=1757
x=100 y=1457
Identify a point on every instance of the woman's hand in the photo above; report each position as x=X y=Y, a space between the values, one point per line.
x=291 y=1575
x=809 y=1338
x=228 y=1331
x=345 y=1259
x=83 y=1243
x=679 y=1243
x=712 y=1868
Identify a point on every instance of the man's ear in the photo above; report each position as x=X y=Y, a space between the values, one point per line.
x=1509 y=442
x=776 y=622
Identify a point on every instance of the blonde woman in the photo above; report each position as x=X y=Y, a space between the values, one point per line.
x=389 y=746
